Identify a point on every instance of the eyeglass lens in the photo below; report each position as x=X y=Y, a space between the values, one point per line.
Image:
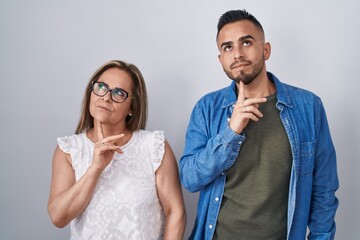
x=117 y=94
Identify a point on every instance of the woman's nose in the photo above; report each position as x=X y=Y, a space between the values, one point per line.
x=107 y=97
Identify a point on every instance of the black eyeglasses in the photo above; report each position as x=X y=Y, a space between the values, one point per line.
x=117 y=94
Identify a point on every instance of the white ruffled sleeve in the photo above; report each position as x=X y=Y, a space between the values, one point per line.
x=158 y=149
x=64 y=144
x=70 y=145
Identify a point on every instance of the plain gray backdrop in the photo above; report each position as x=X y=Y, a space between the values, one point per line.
x=49 y=50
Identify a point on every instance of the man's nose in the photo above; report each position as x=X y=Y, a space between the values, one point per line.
x=238 y=52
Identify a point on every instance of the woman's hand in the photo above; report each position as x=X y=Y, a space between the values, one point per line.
x=68 y=197
x=104 y=148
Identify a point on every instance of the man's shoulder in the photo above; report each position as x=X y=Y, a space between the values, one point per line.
x=286 y=88
x=215 y=96
x=297 y=97
x=290 y=91
x=296 y=91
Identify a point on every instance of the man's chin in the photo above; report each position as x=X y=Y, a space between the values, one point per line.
x=246 y=81
x=239 y=77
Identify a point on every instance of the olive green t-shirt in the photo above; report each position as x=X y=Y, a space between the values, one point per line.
x=254 y=205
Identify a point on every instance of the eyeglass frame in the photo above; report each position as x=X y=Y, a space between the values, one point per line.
x=111 y=91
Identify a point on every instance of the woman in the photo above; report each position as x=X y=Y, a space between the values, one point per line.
x=113 y=179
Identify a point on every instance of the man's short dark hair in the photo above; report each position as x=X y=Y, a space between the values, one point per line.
x=234 y=16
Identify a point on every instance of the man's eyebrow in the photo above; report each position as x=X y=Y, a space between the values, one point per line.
x=240 y=40
x=226 y=44
x=246 y=37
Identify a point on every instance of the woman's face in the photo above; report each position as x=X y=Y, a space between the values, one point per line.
x=104 y=108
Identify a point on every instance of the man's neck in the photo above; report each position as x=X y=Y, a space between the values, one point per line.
x=262 y=86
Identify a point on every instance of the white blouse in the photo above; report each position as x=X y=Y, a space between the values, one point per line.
x=125 y=204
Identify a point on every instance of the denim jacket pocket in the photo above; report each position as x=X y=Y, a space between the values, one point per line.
x=307 y=158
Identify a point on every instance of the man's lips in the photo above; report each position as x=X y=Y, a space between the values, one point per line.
x=239 y=65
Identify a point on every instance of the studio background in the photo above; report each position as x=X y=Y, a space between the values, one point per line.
x=49 y=50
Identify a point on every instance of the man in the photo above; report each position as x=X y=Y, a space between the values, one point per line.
x=259 y=151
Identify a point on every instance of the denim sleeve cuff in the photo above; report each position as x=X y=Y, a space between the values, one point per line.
x=228 y=136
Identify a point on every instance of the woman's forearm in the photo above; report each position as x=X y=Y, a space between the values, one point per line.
x=175 y=225
x=70 y=203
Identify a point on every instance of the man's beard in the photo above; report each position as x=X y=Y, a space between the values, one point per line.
x=244 y=77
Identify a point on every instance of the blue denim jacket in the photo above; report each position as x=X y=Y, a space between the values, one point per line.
x=212 y=147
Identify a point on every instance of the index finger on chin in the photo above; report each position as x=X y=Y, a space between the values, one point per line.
x=241 y=92
x=99 y=130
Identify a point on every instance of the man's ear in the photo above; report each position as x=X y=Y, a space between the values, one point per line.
x=267 y=50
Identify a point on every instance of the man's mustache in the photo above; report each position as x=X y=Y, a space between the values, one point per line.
x=239 y=63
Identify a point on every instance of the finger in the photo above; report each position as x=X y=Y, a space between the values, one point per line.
x=245 y=107
x=110 y=140
x=252 y=117
x=253 y=101
x=99 y=130
x=103 y=148
x=241 y=92
x=255 y=111
x=244 y=111
x=109 y=147
x=113 y=138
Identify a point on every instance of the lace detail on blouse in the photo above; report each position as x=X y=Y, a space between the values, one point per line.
x=125 y=203
x=158 y=149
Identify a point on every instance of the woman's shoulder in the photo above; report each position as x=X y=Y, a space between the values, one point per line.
x=155 y=140
x=70 y=142
x=155 y=143
x=150 y=134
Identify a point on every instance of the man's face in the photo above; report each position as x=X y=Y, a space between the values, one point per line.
x=242 y=51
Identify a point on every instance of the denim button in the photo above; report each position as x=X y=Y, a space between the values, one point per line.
x=210 y=226
x=216 y=199
x=228 y=119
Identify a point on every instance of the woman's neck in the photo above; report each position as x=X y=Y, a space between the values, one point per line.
x=109 y=131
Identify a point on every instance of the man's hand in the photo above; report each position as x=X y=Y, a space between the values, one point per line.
x=244 y=110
